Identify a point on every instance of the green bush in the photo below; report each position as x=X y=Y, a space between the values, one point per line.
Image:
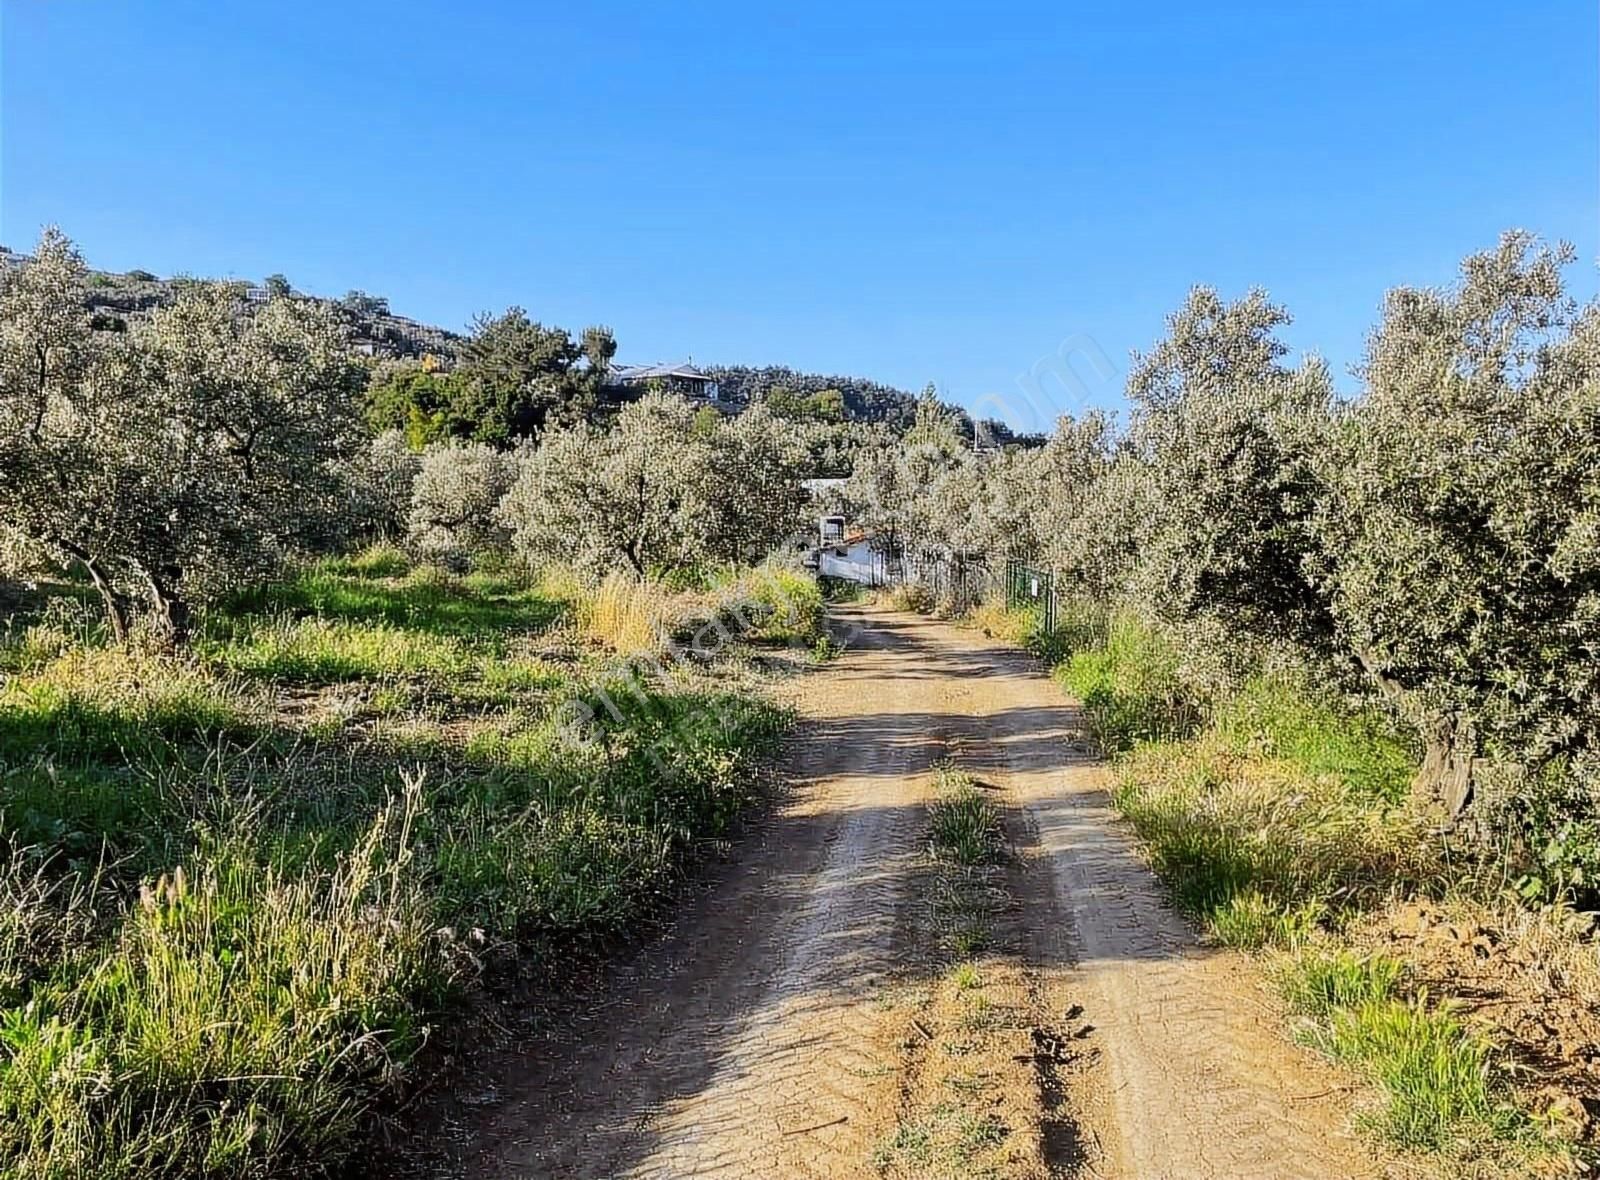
x=1131 y=687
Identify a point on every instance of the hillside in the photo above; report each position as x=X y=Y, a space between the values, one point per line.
x=378 y=332
x=374 y=329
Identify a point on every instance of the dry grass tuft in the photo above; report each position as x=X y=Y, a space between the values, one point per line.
x=630 y=616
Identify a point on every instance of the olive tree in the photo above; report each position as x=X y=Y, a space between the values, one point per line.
x=378 y=481
x=754 y=467
x=635 y=496
x=1461 y=532
x=892 y=488
x=179 y=458
x=455 y=502
x=1038 y=496
x=1226 y=434
x=54 y=386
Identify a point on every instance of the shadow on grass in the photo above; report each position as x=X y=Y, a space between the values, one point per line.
x=423 y=600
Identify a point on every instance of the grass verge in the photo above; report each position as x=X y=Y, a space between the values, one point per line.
x=972 y=1099
x=239 y=889
x=1280 y=817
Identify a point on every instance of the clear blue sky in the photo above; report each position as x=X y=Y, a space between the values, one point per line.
x=906 y=192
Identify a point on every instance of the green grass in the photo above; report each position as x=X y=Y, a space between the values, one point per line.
x=1274 y=815
x=1247 y=918
x=318 y=650
x=232 y=1024
x=237 y=887
x=1131 y=687
x=1284 y=813
x=1284 y=719
x=966 y=847
x=94 y=704
x=1440 y=1088
x=1260 y=851
x=964 y=825
x=1318 y=983
x=943 y=1145
x=380 y=588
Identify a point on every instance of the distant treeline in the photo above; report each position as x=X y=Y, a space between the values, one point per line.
x=864 y=401
x=421 y=383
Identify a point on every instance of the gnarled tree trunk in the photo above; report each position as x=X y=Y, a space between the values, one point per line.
x=1448 y=764
x=115 y=605
x=1450 y=746
x=116 y=609
x=173 y=618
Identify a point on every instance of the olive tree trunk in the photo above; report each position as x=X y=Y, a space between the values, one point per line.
x=1450 y=746
x=1449 y=760
x=116 y=607
x=173 y=617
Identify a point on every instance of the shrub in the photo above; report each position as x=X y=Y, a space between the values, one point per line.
x=777 y=604
x=914 y=597
x=455 y=504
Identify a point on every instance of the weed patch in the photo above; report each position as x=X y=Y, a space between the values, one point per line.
x=1258 y=850
x=964 y=825
x=1131 y=688
x=227 y=922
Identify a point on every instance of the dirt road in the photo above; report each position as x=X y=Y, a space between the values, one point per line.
x=760 y=1037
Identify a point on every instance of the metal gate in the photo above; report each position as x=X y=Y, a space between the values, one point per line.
x=957 y=581
x=1029 y=586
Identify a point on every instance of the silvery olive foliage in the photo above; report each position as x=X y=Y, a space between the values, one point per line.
x=177 y=459
x=1437 y=537
x=914 y=494
x=633 y=496
x=1460 y=534
x=454 y=516
x=1042 y=496
x=756 y=462
x=931 y=495
x=665 y=488
x=378 y=482
x=1226 y=437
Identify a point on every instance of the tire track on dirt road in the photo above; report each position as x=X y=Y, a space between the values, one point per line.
x=750 y=1040
x=1196 y=1080
x=743 y=1044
